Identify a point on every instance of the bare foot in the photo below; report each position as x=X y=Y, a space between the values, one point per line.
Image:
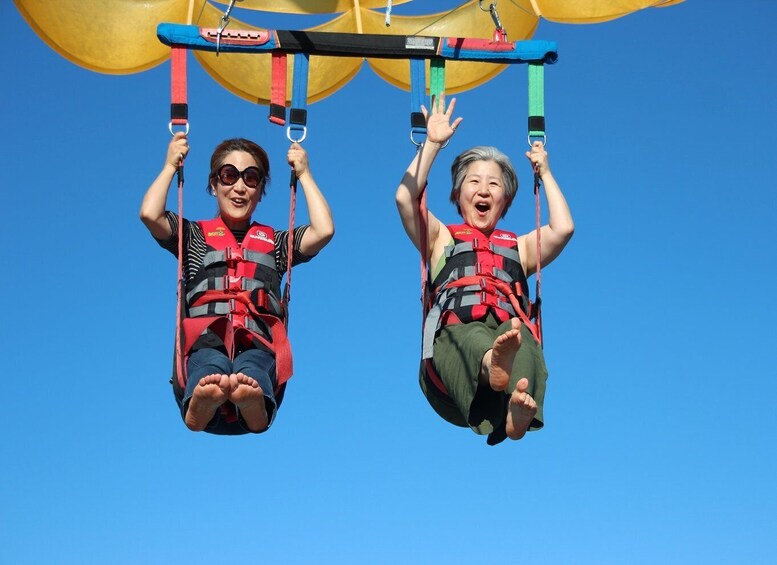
x=211 y=392
x=498 y=361
x=248 y=396
x=520 y=411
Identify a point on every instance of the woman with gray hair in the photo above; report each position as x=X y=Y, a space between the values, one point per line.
x=483 y=366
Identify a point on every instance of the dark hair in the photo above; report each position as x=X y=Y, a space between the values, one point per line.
x=483 y=153
x=240 y=144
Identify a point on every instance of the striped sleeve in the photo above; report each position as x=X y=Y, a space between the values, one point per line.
x=193 y=244
x=282 y=246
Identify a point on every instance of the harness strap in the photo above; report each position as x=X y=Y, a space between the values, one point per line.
x=258 y=258
x=179 y=116
x=537 y=130
x=536 y=100
x=437 y=77
x=417 y=93
x=179 y=109
x=432 y=375
x=298 y=115
x=278 y=89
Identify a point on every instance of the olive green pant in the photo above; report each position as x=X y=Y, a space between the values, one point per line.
x=458 y=353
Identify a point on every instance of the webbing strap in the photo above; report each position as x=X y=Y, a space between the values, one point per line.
x=298 y=119
x=417 y=93
x=179 y=109
x=278 y=89
x=179 y=346
x=537 y=130
x=298 y=116
x=213 y=257
x=536 y=100
x=212 y=309
x=259 y=258
x=436 y=77
x=179 y=116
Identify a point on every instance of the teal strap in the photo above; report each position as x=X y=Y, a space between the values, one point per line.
x=436 y=78
x=536 y=100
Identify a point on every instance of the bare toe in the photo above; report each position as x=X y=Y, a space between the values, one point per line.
x=248 y=396
x=521 y=411
x=502 y=355
x=211 y=392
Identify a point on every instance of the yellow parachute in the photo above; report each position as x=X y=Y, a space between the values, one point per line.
x=119 y=37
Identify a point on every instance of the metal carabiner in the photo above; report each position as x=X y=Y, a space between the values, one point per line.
x=223 y=23
x=494 y=16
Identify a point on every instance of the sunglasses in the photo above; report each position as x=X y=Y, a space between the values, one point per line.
x=229 y=175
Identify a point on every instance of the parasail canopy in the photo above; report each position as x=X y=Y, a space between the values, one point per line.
x=119 y=37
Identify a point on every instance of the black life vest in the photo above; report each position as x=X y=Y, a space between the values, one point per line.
x=235 y=297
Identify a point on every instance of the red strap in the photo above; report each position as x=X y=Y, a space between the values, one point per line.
x=474 y=44
x=178 y=103
x=284 y=366
x=431 y=374
x=180 y=366
x=278 y=89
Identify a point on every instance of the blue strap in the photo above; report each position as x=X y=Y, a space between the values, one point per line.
x=298 y=115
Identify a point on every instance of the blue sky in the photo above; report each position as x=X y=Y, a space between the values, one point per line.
x=660 y=419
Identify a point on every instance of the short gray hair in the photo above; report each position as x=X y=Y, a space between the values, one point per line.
x=483 y=153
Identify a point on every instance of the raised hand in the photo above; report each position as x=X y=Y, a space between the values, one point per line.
x=439 y=128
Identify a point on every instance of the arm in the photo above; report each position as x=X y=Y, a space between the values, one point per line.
x=322 y=228
x=560 y=227
x=152 y=210
x=438 y=131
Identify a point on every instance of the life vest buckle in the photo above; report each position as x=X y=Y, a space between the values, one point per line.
x=232 y=258
x=487 y=299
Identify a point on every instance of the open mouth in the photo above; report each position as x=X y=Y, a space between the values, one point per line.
x=482 y=207
x=239 y=201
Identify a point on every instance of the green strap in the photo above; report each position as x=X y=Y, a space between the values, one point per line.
x=436 y=78
x=536 y=100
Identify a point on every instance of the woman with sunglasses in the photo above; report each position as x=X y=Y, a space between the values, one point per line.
x=236 y=355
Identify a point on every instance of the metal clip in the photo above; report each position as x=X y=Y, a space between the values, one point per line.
x=223 y=23
x=499 y=34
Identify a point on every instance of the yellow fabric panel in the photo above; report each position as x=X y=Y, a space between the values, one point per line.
x=468 y=20
x=116 y=37
x=250 y=75
x=563 y=11
x=119 y=36
x=309 y=6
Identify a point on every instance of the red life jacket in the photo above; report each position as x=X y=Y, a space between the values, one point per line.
x=235 y=298
x=481 y=275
